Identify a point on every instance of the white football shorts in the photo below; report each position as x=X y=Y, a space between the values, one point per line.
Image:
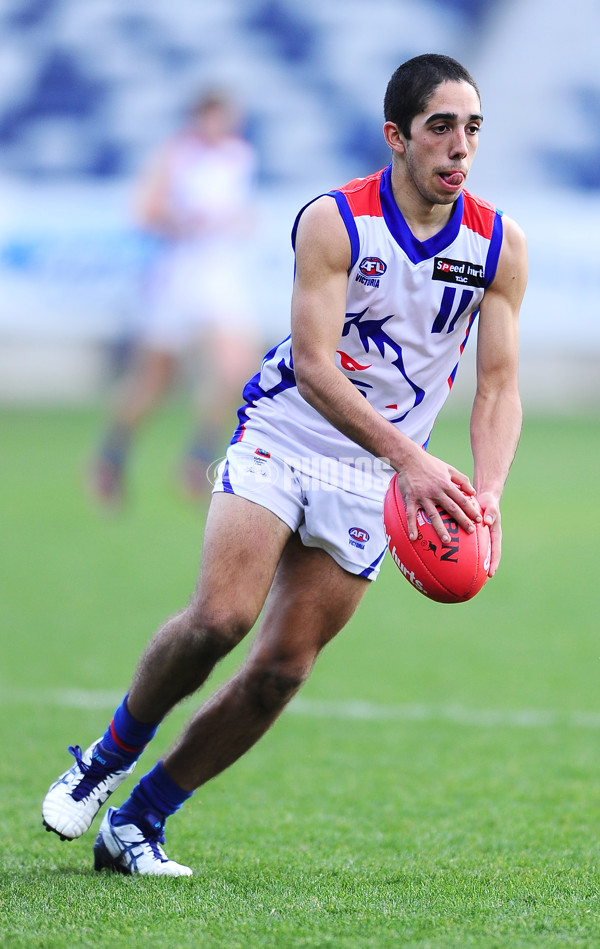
x=346 y=524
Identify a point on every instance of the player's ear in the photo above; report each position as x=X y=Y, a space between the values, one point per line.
x=394 y=137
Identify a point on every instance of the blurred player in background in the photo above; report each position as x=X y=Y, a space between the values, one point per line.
x=391 y=272
x=196 y=197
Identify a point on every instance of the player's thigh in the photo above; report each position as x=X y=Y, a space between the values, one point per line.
x=310 y=601
x=243 y=543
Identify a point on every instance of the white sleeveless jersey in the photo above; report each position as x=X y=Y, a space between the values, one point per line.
x=410 y=309
x=212 y=180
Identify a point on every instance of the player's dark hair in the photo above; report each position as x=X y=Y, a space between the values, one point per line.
x=211 y=99
x=413 y=84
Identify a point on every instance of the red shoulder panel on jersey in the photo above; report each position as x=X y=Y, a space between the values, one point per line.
x=362 y=195
x=478 y=215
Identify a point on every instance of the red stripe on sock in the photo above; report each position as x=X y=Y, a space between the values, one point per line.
x=121 y=744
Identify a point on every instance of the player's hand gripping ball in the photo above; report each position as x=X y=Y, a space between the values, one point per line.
x=449 y=573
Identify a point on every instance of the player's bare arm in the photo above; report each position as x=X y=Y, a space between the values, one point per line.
x=318 y=310
x=150 y=200
x=496 y=416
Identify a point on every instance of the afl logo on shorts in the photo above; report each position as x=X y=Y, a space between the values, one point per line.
x=372 y=267
x=358 y=537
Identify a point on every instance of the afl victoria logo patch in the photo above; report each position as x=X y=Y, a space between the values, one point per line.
x=372 y=267
x=358 y=537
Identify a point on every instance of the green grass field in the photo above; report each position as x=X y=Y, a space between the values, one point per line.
x=436 y=784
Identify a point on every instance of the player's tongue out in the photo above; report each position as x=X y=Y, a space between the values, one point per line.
x=453 y=178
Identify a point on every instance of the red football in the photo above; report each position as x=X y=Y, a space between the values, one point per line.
x=448 y=573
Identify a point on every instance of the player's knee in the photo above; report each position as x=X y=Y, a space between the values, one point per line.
x=272 y=687
x=218 y=632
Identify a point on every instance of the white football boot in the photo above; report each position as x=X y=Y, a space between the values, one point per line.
x=130 y=849
x=77 y=795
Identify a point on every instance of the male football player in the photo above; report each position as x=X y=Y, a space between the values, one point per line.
x=392 y=271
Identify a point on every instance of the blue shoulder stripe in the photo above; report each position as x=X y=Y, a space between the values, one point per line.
x=347 y=218
x=493 y=254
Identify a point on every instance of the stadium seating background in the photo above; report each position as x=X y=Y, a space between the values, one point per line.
x=89 y=87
